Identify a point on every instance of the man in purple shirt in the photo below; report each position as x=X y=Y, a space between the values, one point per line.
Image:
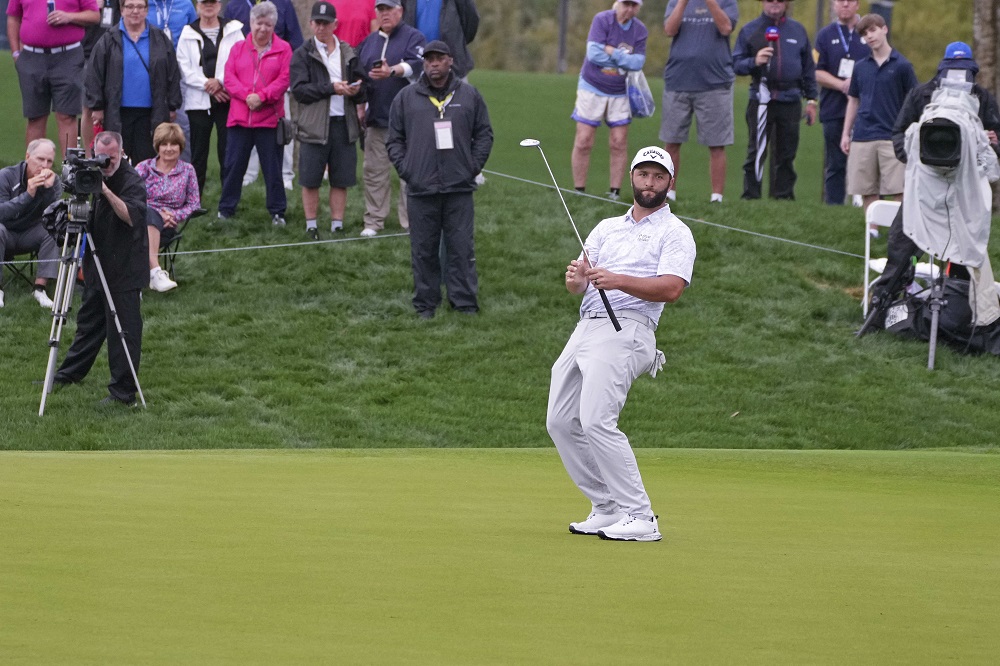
x=45 y=41
x=616 y=44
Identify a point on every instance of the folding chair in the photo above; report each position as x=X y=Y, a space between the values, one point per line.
x=24 y=269
x=168 y=249
x=881 y=213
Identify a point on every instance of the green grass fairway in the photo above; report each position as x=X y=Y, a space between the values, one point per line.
x=462 y=556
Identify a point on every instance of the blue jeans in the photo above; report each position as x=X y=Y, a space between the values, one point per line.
x=834 y=163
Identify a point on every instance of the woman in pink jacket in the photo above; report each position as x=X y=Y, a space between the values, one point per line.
x=256 y=80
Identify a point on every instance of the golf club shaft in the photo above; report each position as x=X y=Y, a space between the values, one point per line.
x=586 y=257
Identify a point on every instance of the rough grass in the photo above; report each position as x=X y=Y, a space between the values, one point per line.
x=315 y=345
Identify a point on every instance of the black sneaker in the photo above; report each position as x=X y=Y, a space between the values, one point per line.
x=112 y=401
x=313 y=233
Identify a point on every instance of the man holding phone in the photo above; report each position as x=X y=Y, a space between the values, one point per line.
x=326 y=82
x=391 y=57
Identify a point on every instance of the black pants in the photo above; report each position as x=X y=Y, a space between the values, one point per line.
x=450 y=216
x=94 y=323
x=834 y=163
x=137 y=134
x=782 y=143
x=202 y=123
x=239 y=143
x=899 y=261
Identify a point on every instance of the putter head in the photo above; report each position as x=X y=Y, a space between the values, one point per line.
x=530 y=143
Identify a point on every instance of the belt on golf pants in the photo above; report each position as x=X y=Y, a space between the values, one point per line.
x=54 y=49
x=621 y=314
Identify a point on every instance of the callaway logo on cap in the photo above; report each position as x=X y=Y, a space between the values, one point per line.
x=655 y=155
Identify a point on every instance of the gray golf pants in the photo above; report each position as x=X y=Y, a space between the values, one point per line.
x=590 y=382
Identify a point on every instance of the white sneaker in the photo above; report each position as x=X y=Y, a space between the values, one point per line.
x=43 y=299
x=594 y=522
x=368 y=233
x=630 y=528
x=159 y=280
x=1 y=298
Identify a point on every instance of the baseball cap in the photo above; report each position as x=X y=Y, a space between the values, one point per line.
x=387 y=3
x=323 y=11
x=656 y=155
x=637 y=2
x=437 y=46
x=957 y=50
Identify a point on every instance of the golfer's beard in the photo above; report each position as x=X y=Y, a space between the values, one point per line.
x=647 y=200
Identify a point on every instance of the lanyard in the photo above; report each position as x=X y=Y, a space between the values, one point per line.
x=846 y=40
x=163 y=13
x=440 y=106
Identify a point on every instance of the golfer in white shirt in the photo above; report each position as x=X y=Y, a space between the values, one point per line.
x=642 y=260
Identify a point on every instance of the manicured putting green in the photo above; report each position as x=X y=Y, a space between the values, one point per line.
x=463 y=557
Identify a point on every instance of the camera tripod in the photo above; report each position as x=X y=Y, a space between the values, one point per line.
x=78 y=210
x=935 y=301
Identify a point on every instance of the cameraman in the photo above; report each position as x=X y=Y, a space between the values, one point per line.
x=901 y=249
x=118 y=229
x=25 y=191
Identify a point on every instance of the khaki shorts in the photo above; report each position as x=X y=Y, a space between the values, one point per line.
x=591 y=109
x=872 y=169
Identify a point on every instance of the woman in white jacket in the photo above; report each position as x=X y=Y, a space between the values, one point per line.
x=202 y=52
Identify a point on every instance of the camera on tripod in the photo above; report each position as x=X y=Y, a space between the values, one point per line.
x=82 y=176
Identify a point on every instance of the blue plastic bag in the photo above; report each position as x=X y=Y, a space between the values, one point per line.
x=640 y=97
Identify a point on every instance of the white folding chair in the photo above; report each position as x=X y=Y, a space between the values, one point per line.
x=881 y=213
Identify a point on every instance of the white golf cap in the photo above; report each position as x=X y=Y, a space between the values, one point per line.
x=656 y=155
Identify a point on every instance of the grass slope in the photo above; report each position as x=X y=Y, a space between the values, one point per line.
x=315 y=345
x=463 y=557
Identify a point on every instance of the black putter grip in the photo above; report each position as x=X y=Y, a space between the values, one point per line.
x=611 y=313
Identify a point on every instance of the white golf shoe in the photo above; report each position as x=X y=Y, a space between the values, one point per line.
x=42 y=298
x=630 y=528
x=594 y=522
x=159 y=280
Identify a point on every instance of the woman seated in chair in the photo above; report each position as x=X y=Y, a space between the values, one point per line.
x=171 y=196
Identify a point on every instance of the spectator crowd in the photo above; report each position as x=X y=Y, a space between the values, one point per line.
x=167 y=75
x=164 y=76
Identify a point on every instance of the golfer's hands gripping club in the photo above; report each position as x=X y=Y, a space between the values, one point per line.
x=579 y=274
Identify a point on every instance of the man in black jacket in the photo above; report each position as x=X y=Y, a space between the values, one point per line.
x=118 y=230
x=957 y=57
x=439 y=139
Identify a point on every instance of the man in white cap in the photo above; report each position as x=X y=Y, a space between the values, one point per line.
x=641 y=260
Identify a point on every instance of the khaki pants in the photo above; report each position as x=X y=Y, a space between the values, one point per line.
x=378 y=184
